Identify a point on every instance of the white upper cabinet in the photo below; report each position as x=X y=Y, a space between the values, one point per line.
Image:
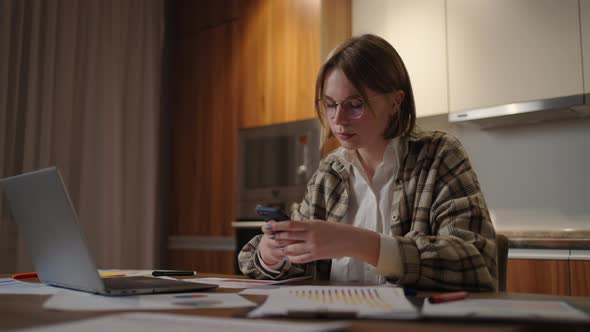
x=416 y=29
x=509 y=51
x=585 y=15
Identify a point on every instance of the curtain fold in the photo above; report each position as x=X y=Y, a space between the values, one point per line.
x=80 y=89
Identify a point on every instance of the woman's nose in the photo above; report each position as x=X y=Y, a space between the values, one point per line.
x=340 y=115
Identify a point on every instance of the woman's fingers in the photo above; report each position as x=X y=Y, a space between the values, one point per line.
x=289 y=236
x=288 y=230
x=271 y=253
x=301 y=259
x=283 y=243
x=289 y=226
x=277 y=254
x=274 y=243
x=296 y=249
x=309 y=240
x=267 y=227
x=273 y=232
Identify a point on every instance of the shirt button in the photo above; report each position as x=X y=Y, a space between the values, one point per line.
x=395 y=217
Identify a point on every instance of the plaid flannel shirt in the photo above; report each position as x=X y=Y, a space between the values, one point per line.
x=441 y=222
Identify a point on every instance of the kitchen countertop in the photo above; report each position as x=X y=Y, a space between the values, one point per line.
x=543 y=227
x=548 y=239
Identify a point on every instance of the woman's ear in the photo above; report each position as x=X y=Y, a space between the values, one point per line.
x=398 y=97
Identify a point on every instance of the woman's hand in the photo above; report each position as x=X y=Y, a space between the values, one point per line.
x=271 y=250
x=312 y=240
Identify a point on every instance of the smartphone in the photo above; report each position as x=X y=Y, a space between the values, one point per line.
x=271 y=213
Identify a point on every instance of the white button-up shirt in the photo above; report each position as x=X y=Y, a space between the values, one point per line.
x=370 y=207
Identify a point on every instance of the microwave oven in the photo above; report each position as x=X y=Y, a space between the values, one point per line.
x=275 y=163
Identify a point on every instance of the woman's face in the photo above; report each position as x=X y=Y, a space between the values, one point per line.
x=366 y=130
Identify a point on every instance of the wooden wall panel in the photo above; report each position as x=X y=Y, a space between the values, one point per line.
x=254 y=64
x=336 y=25
x=280 y=43
x=538 y=276
x=580 y=277
x=217 y=102
x=205 y=134
x=206 y=261
x=183 y=139
x=204 y=129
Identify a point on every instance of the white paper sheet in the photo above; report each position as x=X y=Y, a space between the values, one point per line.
x=11 y=286
x=79 y=301
x=336 y=301
x=261 y=290
x=243 y=283
x=508 y=309
x=265 y=290
x=141 y=322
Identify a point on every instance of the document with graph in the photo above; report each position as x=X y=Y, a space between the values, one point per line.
x=337 y=302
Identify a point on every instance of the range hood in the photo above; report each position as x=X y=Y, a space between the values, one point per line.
x=524 y=112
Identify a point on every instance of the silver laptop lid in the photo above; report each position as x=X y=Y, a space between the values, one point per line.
x=48 y=222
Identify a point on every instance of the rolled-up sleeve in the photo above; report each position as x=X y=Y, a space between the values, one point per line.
x=389 y=262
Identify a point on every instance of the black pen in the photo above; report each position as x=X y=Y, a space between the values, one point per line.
x=173 y=273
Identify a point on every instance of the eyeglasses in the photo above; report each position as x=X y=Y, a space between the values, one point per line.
x=352 y=108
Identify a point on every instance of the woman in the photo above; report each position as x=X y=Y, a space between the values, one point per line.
x=393 y=203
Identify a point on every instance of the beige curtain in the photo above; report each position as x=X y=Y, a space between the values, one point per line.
x=80 y=89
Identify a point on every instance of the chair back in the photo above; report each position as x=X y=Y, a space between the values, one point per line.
x=502 y=260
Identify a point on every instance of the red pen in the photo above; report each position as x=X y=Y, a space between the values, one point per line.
x=24 y=275
x=448 y=297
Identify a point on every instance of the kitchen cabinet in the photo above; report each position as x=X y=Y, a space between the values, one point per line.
x=508 y=51
x=580 y=272
x=585 y=27
x=416 y=29
x=280 y=52
x=203 y=115
x=278 y=61
x=580 y=277
x=549 y=271
x=540 y=276
x=204 y=122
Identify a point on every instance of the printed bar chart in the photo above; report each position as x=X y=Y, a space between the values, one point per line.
x=343 y=296
x=337 y=301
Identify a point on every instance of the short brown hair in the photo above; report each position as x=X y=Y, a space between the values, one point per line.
x=370 y=61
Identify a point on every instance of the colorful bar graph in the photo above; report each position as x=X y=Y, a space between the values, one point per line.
x=347 y=296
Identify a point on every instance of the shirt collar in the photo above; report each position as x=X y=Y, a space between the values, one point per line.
x=394 y=153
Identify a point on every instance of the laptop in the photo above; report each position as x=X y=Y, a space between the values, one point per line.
x=48 y=222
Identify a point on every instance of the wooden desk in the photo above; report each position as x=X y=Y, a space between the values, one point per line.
x=20 y=311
